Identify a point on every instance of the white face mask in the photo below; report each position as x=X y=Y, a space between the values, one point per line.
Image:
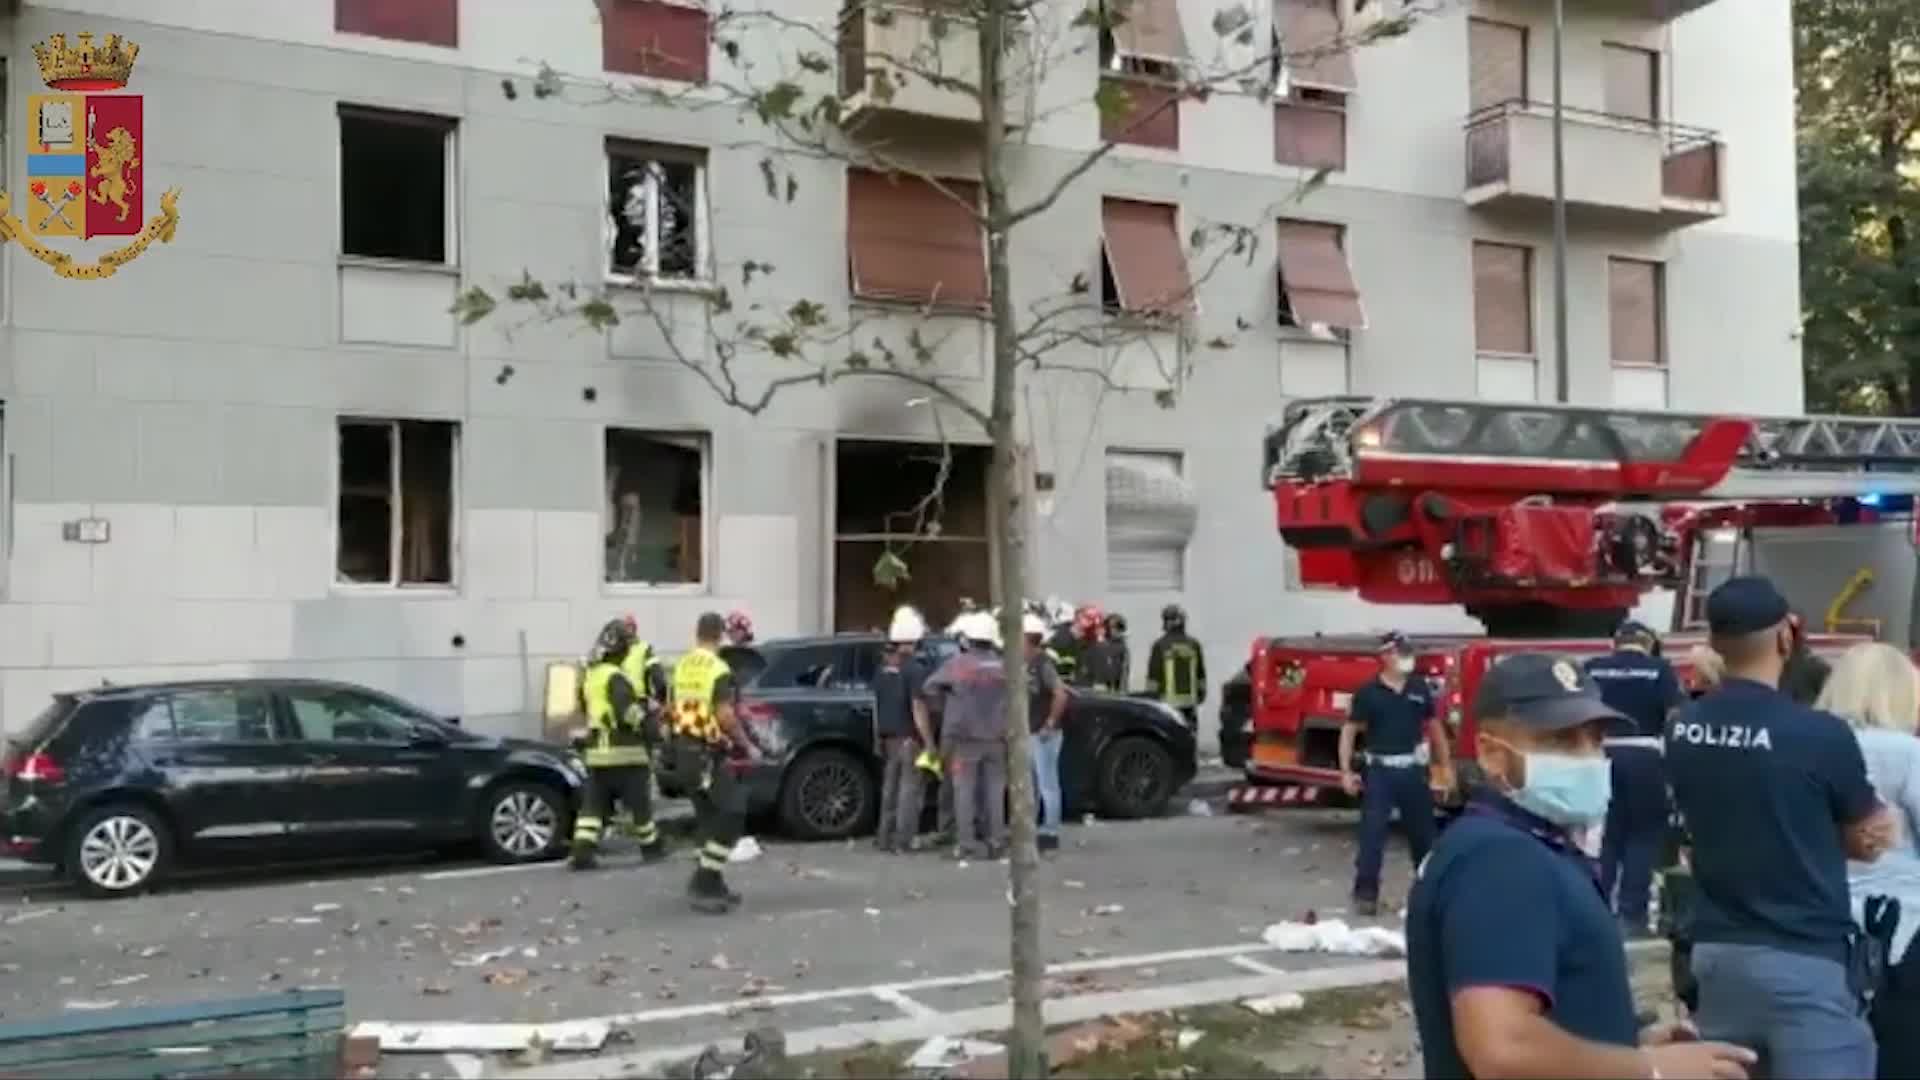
x=1403 y=664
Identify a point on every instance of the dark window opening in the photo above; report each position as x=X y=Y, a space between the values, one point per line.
x=656 y=509
x=396 y=500
x=653 y=207
x=393 y=185
x=1109 y=287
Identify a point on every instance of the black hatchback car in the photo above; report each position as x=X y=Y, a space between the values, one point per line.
x=117 y=785
x=1123 y=756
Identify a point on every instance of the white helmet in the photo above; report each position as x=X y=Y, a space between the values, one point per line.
x=977 y=626
x=907 y=626
x=1033 y=625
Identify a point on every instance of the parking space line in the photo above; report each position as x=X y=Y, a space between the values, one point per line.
x=487 y=871
x=905 y=1004
x=1248 y=963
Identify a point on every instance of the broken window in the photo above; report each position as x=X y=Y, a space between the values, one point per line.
x=395 y=183
x=655 y=207
x=656 y=507
x=395 y=511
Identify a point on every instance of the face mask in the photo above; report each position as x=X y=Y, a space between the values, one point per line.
x=1572 y=792
x=1403 y=664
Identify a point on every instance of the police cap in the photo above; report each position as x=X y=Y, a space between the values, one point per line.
x=1540 y=692
x=1745 y=605
x=1393 y=641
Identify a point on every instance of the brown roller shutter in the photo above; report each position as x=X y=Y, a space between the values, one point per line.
x=655 y=38
x=908 y=241
x=1633 y=308
x=1150 y=116
x=429 y=22
x=1310 y=43
x=1633 y=83
x=1313 y=270
x=1143 y=250
x=1502 y=299
x=1497 y=59
x=1152 y=32
x=1310 y=134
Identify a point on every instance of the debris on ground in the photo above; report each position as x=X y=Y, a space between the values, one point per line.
x=941 y=1052
x=1335 y=936
x=1107 y=909
x=763 y=1056
x=434 y=1037
x=1186 y=1037
x=1275 y=1004
x=747 y=850
x=1199 y=808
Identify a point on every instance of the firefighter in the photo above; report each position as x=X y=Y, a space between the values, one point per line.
x=1177 y=667
x=648 y=677
x=704 y=731
x=1105 y=663
x=621 y=729
x=1069 y=645
x=739 y=628
x=1644 y=690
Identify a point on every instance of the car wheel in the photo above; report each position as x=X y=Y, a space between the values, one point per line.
x=523 y=821
x=118 y=850
x=1135 y=778
x=828 y=795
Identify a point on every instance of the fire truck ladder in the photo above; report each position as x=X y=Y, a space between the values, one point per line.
x=1783 y=458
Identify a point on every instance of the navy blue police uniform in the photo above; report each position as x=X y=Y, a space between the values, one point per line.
x=1507 y=900
x=1765 y=785
x=1643 y=689
x=1395 y=723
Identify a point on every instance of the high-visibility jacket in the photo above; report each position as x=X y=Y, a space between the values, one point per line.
x=695 y=677
x=639 y=668
x=1177 y=671
x=615 y=725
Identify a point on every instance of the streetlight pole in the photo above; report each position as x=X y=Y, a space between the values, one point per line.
x=1560 y=388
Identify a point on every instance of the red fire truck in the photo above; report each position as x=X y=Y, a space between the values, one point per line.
x=1550 y=522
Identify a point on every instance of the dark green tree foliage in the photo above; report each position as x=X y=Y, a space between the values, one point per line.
x=1858 y=73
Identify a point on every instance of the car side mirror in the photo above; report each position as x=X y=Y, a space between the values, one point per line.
x=427 y=737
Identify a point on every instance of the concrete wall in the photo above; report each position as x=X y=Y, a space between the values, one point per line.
x=191 y=401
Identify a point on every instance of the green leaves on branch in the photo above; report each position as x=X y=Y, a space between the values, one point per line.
x=890 y=571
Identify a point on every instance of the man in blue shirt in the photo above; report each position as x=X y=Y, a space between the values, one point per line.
x=1775 y=798
x=1396 y=711
x=1515 y=966
x=1643 y=689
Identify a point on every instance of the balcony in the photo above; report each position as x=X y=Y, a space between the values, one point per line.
x=903 y=62
x=1656 y=10
x=1618 y=169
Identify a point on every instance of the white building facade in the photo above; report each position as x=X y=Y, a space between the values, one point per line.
x=269 y=447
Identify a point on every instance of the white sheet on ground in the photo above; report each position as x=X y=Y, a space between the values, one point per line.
x=1335 y=936
x=434 y=1037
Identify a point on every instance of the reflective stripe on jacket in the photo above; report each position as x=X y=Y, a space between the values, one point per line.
x=613 y=740
x=693 y=682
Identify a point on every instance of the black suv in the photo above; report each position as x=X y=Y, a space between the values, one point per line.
x=117 y=785
x=1123 y=756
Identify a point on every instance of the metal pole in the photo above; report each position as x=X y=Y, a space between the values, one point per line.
x=1560 y=359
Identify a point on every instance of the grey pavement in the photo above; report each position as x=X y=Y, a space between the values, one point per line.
x=425 y=941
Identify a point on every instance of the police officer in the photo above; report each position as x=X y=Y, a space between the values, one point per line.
x=620 y=730
x=1642 y=688
x=1396 y=711
x=1775 y=798
x=1177 y=667
x=705 y=730
x=1514 y=964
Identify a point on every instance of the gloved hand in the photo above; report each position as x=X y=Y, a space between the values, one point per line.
x=929 y=761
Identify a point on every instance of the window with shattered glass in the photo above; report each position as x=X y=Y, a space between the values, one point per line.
x=654 y=207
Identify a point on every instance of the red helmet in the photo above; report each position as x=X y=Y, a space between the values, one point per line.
x=633 y=624
x=1087 y=619
x=739 y=626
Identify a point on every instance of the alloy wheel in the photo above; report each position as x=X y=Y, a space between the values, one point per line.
x=119 y=853
x=830 y=796
x=523 y=823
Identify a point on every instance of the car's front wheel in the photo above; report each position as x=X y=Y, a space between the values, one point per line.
x=1135 y=778
x=828 y=795
x=118 y=850
x=523 y=821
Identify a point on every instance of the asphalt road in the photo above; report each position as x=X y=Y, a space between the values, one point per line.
x=434 y=941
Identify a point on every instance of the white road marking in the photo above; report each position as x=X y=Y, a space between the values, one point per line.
x=905 y=1004
x=488 y=871
x=1248 y=963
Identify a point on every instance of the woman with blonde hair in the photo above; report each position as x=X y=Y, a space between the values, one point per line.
x=1875 y=688
x=1706 y=670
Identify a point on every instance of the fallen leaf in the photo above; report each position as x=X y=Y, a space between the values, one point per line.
x=603 y=976
x=1106 y=909
x=436 y=989
x=718 y=962
x=322 y=909
x=505 y=976
x=152 y=951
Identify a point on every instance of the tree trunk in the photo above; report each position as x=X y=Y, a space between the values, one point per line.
x=1027 y=1045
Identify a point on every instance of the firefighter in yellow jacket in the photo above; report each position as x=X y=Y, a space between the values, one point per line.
x=705 y=730
x=621 y=730
x=644 y=672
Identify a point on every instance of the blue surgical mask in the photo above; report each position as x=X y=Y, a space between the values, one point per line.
x=1572 y=792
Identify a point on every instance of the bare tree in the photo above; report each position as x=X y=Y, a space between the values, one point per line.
x=803 y=111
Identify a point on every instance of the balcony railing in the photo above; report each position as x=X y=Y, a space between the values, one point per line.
x=1617 y=164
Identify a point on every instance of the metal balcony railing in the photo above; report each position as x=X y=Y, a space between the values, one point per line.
x=1690 y=156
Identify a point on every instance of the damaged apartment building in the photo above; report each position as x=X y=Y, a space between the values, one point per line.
x=271 y=446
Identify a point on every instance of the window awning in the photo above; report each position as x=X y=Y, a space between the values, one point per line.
x=1152 y=32
x=1144 y=252
x=911 y=242
x=1314 y=272
x=1149 y=502
x=1310 y=45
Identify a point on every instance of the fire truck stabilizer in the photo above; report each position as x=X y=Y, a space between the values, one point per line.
x=1551 y=520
